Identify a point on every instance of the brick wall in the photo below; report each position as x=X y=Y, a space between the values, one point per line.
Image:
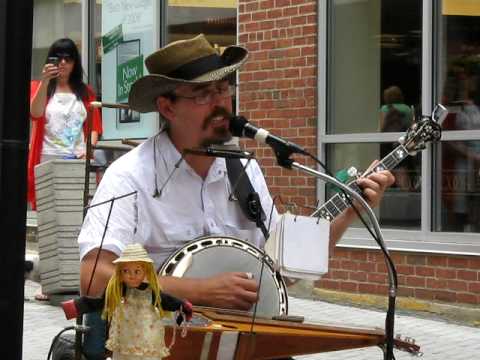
x=278 y=85
x=453 y=279
x=277 y=91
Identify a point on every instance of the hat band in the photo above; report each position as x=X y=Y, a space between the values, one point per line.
x=198 y=67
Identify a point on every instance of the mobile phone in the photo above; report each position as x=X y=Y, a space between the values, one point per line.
x=53 y=60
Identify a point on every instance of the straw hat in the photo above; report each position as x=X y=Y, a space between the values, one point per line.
x=133 y=252
x=191 y=61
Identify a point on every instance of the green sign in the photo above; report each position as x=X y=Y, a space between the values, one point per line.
x=111 y=39
x=127 y=74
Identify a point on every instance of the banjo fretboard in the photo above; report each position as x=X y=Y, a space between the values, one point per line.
x=337 y=203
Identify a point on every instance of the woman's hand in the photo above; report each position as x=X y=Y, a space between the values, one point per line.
x=49 y=72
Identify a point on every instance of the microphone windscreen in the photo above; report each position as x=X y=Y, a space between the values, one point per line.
x=237 y=124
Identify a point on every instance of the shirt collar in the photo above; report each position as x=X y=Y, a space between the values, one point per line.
x=168 y=156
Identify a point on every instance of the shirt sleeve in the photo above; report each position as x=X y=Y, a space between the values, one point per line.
x=34 y=85
x=95 y=113
x=112 y=223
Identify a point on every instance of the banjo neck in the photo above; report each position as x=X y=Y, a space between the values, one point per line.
x=339 y=202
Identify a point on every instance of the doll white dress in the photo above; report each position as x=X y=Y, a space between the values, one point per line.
x=137 y=330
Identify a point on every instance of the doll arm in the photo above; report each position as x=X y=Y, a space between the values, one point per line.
x=84 y=304
x=171 y=303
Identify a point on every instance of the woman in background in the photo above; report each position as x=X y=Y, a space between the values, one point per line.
x=59 y=104
x=59 y=107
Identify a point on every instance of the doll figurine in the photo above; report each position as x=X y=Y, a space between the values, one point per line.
x=134 y=307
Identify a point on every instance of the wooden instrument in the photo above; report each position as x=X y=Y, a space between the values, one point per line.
x=223 y=334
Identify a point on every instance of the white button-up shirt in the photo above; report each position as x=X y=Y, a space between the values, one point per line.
x=188 y=207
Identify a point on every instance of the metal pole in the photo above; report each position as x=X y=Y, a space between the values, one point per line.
x=16 y=22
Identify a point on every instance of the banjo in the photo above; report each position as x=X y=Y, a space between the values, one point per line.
x=211 y=255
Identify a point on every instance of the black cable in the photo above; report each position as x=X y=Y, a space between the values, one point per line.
x=390 y=317
x=55 y=339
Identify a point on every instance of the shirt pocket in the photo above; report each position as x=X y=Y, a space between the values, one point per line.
x=183 y=234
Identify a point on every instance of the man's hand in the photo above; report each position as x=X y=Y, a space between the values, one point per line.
x=235 y=290
x=375 y=184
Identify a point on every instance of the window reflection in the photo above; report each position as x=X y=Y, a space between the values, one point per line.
x=53 y=20
x=457 y=180
x=400 y=207
x=216 y=19
x=376 y=45
x=460 y=187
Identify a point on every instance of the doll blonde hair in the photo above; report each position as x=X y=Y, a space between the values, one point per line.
x=113 y=293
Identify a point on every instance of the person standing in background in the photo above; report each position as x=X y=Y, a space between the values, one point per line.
x=59 y=107
x=396 y=116
x=59 y=104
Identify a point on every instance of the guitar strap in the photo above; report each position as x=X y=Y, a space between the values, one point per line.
x=246 y=195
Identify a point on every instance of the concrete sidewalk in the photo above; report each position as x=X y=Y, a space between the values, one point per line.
x=439 y=340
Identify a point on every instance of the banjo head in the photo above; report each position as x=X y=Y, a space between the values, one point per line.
x=209 y=256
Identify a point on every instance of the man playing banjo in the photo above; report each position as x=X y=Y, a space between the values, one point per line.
x=190 y=85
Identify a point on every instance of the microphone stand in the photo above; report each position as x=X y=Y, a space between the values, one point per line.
x=392 y=277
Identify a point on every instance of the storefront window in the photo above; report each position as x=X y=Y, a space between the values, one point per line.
x=400 y=207
x=217 y=19
x=52 y=20
x=376 y=46
x=374 y=86
x=457 y=173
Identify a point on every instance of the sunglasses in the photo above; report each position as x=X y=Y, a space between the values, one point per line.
x=63 y=56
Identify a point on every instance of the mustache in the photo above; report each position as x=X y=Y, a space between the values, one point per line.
x=217 y=111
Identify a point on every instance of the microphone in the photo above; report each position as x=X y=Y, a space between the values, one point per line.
x=222 y=153
x=240 y=127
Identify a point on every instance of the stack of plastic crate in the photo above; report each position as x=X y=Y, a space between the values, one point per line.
x=60 y=192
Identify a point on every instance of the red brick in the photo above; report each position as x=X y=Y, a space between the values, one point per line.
x=358 y=276
x=328 y=284
x=474 y=287
x=445 y=296
x=349 y=286
x=349 y=265
x=437 y=261
x=468 y=298
x=251 y=7
x=398 y=258
x=405 y=269
x=467 y=275
x=457 y=285
x=458 y=262
x=436 y=284
x=298 y=20
x=268 y=4
x=424 y=294
x=405 y=291
x=341 y=253
x=424 y=271
x=382 y=290
x=368 y=267
x=287 y=12
x=445 y=273
x=381 y=268
x=274 y=13
x=367 y=288
x=359 y=255
x=282 y=3
x=339 y=275
x=415 y=281
x=474 y=263
x=416 y=259
x=377 y=278
x=309 y=8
